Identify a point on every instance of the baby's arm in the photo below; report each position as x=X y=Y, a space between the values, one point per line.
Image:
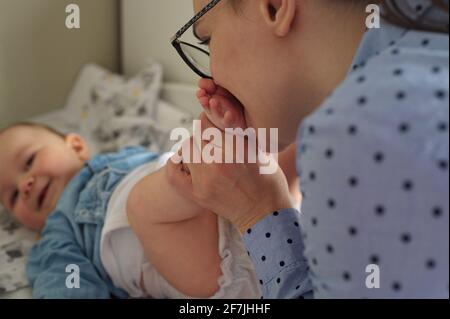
x=48 y=264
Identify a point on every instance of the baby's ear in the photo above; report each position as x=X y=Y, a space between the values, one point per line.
x=78 y=145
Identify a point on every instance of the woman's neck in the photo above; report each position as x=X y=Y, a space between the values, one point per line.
x=327 y=42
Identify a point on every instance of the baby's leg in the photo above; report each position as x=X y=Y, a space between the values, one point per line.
x=221 y=107
x=179 y=238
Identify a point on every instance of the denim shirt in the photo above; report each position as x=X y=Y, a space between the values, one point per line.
x=70 y=242
x=373 y=163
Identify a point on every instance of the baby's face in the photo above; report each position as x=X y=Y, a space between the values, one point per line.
x=36 y=166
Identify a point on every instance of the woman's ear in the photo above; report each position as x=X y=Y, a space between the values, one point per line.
x=279 y=14
x=78 y=145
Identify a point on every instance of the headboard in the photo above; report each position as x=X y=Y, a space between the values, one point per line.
x=147 y=27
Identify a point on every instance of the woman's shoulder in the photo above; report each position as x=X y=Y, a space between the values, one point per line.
x=397 y=100
x=403 y=89
x=413 y=72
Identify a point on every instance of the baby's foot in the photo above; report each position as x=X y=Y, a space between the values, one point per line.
x=221 y=107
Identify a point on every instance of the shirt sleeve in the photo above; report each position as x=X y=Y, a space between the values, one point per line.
x=58 y=269
x=275 y=247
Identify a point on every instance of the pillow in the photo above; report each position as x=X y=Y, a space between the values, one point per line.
x=114 y=101
x=112 y=112
x=151 y=132
x=129 y=112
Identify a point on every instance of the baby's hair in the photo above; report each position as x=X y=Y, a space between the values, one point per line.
x=35 y=125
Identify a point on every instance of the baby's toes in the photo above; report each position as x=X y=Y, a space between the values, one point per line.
x=230 y=115
x=208 y=85
x=204 y=102
x=201 y=93
x=216 y=114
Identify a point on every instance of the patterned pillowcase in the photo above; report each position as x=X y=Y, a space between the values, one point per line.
x=111 y=112
x=15 y=242
x=120 y=107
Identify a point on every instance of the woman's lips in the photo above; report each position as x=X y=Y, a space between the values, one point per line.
x=43 y=195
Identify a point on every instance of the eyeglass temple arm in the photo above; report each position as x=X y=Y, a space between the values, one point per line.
x=201 y=13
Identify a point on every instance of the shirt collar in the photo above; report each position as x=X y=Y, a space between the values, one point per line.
x=375 y=41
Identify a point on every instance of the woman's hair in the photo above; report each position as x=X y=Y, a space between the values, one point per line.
x=398 y=13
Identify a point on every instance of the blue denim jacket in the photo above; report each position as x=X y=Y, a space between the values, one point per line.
x=72 y=233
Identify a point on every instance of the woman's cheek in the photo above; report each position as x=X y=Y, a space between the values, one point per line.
x=220 y=66
x=216 y=72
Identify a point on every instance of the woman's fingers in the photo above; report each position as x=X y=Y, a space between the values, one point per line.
x=217 y=176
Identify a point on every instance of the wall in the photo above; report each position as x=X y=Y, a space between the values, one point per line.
x=147 y=27
x=40 y=57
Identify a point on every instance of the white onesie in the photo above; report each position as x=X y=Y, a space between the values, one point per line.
x=123 y=257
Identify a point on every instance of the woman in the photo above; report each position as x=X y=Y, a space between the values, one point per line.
x=373 y=144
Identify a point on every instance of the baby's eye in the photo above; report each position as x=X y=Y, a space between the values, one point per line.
x=30 y=162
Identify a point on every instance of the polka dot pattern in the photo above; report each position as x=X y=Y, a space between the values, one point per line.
x=375 y=184
x=374 y=163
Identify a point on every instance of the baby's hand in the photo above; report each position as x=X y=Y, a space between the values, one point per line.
x=221 y=107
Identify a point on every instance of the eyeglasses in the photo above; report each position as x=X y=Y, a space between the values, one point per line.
x=195 y=57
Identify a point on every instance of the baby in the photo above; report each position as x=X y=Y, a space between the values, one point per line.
x=113 y=226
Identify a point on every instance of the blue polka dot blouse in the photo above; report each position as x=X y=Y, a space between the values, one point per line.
x=373 y=162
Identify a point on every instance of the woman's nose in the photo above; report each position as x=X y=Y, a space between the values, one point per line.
x=27 y=185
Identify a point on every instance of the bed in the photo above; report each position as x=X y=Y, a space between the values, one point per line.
x=177 y=107
x=156 y=86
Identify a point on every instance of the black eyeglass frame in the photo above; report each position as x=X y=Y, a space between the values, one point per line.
x=176 y=42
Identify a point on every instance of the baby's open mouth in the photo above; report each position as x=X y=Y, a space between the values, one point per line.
x=43 y=195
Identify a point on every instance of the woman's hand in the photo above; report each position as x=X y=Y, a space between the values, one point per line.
x=237 y=192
